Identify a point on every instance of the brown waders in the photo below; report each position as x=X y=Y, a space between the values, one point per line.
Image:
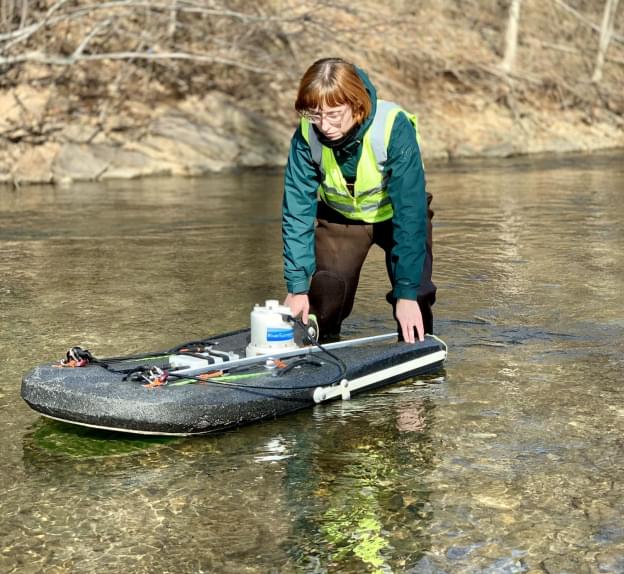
x=341 y=248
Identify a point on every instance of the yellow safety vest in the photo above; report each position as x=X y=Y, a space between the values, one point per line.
x=370 y=201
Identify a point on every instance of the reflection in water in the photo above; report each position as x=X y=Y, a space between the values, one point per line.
x=361 y=488
x=509 y=462
x=334 y=488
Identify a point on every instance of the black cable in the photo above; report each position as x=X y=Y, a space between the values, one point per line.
x=297 y=363
x=342 y=368
x=337 y=361
x=245 y=386
x=155 y=354
x=128 y=373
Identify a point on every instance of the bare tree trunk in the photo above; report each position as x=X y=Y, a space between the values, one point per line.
x=606 y=31
x=9 y=10
x=511 y=37
x=6 y=13
x=173 y=19
x=24 y=16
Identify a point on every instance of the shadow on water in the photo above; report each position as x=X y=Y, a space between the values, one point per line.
x=58 y=439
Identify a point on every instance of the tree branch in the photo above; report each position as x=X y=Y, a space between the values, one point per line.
x=566 y=49
x=26 y=32
x=81 y=47
x=585 y=20
x=56 y=60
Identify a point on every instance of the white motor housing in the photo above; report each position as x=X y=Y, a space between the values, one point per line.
x=270 y=331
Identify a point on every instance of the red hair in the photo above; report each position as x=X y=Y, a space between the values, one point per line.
x=333 y=82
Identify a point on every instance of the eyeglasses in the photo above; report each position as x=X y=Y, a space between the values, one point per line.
x=333 y=117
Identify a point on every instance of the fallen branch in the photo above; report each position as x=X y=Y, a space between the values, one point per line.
x=585 y=20
x=27 y=31
x=85 y=42
x=566 y=49
x=55 y=60
x=53 y=18
x=185 y=7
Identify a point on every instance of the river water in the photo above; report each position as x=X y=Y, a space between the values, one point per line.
x=511 y=460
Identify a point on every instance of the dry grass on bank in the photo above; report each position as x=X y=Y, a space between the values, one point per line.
x=112 y=63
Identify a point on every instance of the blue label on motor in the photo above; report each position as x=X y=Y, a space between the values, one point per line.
x=279 y=334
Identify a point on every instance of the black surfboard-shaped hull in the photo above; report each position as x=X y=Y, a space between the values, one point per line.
x=99 y=397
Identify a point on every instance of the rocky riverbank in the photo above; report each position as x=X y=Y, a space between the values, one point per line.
x=197 y=136
x=194 y=137
x=213 y=90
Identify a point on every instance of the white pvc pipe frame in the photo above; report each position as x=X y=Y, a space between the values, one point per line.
x=346 y=387
x=226 y=365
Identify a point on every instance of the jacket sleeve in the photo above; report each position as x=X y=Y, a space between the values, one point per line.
x=406 y=187
x=301 y=181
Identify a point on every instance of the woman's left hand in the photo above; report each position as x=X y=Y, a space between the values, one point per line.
x=409 y=317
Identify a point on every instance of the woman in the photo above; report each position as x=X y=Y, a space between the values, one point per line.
x=362 y=157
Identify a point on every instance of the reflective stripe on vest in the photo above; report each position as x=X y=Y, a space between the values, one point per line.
x=370 y=201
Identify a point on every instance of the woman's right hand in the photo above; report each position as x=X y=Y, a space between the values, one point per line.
x=299 y=305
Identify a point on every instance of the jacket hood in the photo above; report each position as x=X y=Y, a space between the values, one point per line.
x=372 y=93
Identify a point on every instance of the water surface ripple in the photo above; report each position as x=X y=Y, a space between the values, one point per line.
x=510 y=461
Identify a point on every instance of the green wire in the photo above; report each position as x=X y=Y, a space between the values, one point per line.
x=221 y=379
x=121 y=361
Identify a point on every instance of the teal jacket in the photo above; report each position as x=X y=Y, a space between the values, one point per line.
x=406 y=187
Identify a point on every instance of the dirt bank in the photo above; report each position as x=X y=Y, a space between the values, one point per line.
x=81 y=98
